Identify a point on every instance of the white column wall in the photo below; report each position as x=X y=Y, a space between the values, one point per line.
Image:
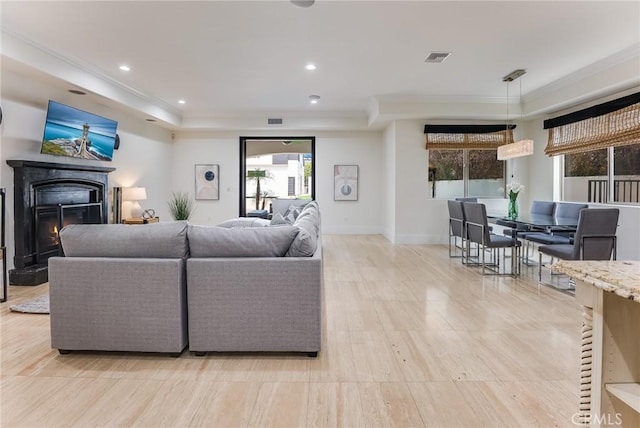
x=389 y=182
x=418 y=218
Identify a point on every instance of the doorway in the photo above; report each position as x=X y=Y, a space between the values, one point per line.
x=275 y=167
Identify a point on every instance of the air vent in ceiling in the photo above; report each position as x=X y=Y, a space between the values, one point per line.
x=274 y=121
x=437 y=56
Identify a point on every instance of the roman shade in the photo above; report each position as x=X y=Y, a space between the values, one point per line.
x=612 y=124
x=478 y=137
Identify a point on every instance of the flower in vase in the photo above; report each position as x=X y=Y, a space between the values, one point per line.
x=513 y=189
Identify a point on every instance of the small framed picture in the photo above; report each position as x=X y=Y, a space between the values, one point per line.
x=345 y=182
x=207 y=182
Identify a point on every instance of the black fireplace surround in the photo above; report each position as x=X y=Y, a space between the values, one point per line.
x=47 y=197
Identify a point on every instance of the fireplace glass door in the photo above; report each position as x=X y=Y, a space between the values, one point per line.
x=51 y=219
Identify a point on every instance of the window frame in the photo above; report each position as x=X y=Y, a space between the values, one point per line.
x=465 y=175
x=610 y=194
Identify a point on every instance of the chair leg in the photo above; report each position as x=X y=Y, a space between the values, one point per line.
x=539 y=267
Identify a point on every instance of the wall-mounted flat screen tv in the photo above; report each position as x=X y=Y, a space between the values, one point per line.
x=79 y=134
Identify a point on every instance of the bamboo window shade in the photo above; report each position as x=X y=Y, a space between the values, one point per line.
x=477 y=137
x=613 y=124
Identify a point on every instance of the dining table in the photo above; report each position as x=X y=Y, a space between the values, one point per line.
x=534 y=222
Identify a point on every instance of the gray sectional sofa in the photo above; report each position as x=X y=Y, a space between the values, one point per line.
x=153 y=288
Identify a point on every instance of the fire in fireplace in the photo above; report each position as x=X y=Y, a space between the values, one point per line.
x=51 y=219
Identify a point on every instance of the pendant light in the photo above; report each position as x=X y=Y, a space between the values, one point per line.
x=521 y=147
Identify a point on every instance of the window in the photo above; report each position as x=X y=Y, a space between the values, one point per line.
x=601 y=151
x=463 y=160
x=587 y=178
x=465 y=173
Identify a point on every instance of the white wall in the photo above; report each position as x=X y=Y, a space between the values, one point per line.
x=359 y=148
x=389 y=180
x=144 y=157
x=212 y=148
x=418 y=218
x=364 y=149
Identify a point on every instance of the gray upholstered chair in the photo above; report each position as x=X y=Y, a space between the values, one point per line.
x=456 y=228
x=478 y=233
x=558 y=236
x=595 y=238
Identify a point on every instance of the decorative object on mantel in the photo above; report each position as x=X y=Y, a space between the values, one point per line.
x=513 y=190
x=39 y=305
x=521 y=147
x=181 y=206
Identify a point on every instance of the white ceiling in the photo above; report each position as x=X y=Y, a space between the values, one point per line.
x=234 y=59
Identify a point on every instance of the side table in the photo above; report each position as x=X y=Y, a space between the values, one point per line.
x=140 y=220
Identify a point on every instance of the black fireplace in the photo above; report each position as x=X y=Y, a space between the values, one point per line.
x=47 y=197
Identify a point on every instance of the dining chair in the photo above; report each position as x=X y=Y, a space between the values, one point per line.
x=456 y=228
x=595 y=238
x=478 y=233
x=557 y=236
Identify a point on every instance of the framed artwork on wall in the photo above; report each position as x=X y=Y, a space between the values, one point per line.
x=207 y=182
x=345 y=182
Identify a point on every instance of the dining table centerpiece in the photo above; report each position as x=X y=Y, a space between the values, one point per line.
x=513 y=190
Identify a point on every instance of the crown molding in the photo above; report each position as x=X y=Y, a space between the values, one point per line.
x=82 y=75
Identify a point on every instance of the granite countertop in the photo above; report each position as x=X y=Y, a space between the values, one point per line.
x=619 y=277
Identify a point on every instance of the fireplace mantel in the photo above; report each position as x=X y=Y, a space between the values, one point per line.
x=23 y=163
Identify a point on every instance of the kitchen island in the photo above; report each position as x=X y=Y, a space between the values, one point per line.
x=609 y=292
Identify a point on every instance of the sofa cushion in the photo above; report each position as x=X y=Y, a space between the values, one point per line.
x=155 y=240
x=212 y=241
x=306 y=242
x=245 y=222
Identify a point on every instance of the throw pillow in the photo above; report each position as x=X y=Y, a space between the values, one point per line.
x=244 y=222
x=292 y=213
x=278 y=220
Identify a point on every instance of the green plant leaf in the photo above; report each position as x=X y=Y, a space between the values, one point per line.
x=181 y=206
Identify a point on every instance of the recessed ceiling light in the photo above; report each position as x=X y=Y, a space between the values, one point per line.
x=77 y=92
x=313 y=99
x=182 y=102
x=310 y=67
x=124 y=67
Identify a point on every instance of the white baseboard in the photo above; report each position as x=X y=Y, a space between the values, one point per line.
x=351 y=230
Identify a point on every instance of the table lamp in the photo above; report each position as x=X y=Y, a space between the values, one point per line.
x=134 y=194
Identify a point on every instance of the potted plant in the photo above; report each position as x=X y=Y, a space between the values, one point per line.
x=181 y=206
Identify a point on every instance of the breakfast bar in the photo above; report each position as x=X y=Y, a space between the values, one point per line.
x=609 y=292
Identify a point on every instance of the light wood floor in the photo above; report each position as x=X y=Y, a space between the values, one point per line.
x=411 y=338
